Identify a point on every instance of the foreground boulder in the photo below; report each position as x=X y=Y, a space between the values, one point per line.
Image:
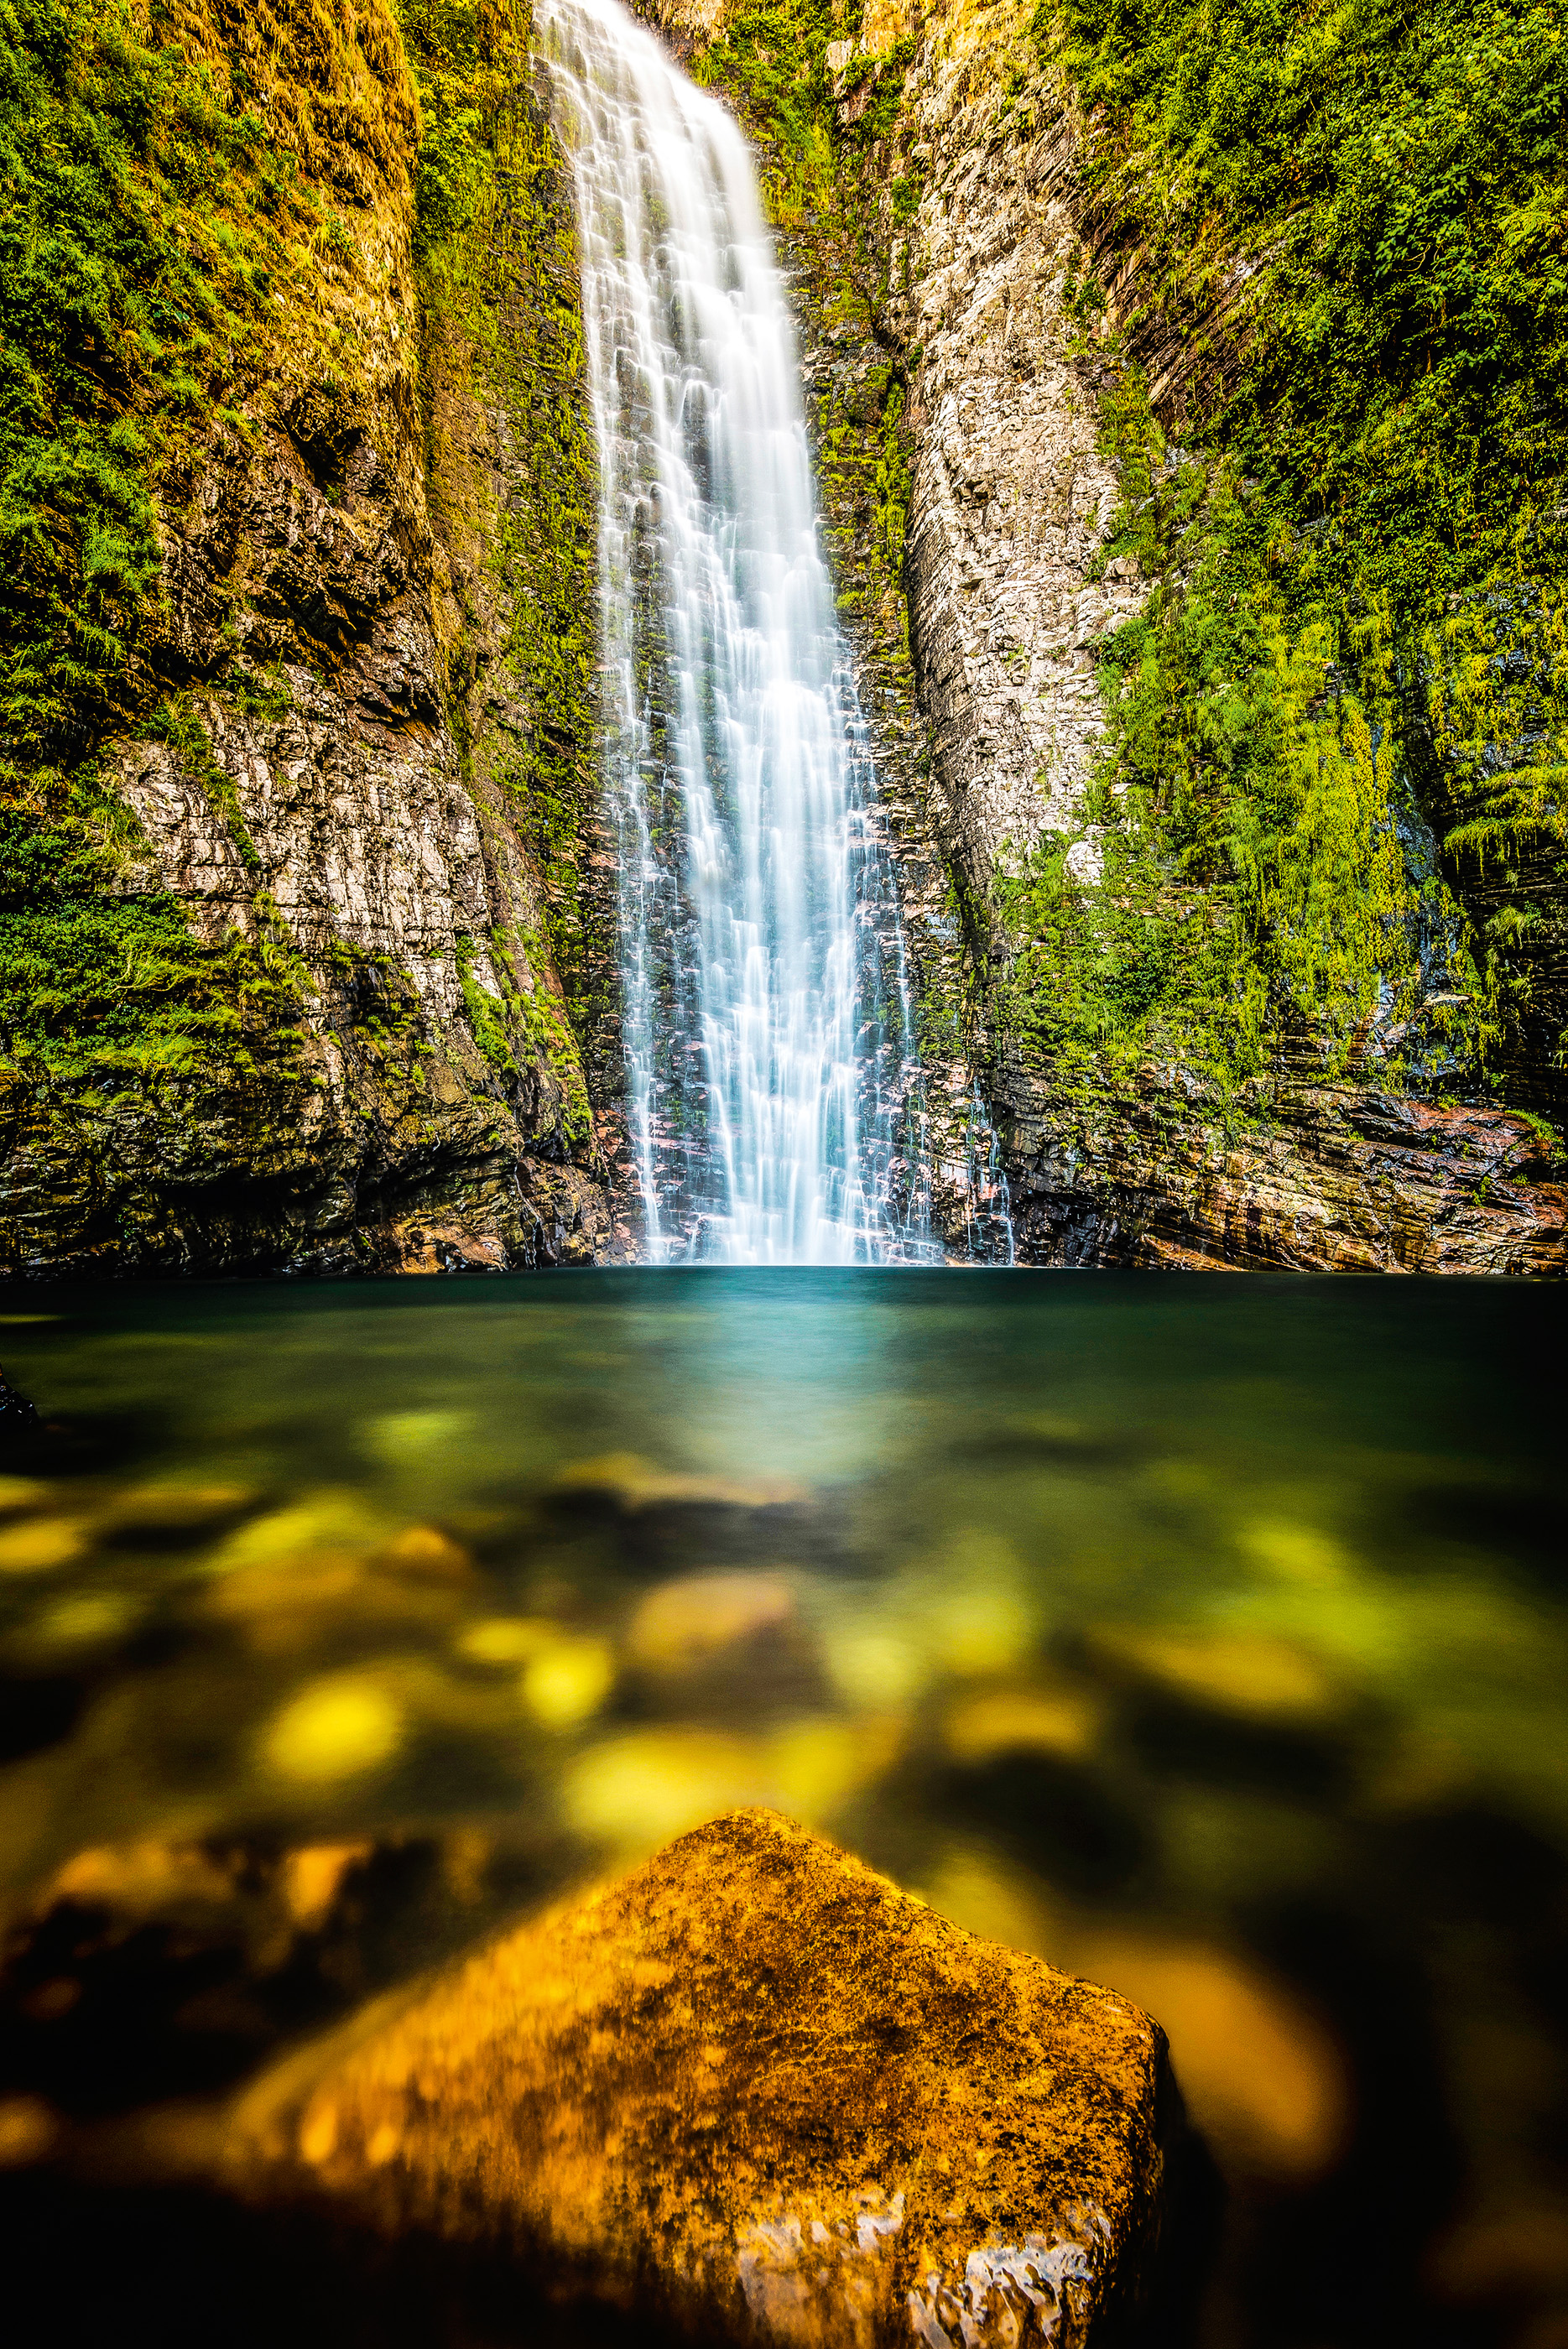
x=751 y=2092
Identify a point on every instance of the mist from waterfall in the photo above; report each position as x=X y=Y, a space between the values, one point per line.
x=772 y=1092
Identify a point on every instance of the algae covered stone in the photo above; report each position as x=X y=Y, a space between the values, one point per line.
x=754 y=2091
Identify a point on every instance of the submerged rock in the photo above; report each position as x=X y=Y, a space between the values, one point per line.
x=162 y=1968
x=667 y=1523
x=1252 y=1675
x=684 y=1622
x=755 y=2092
x=18 y=1415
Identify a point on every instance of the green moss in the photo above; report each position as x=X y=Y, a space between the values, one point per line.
x=1350 y=225
x=550 y=1032
x=144 y=219
x=499 y=274
x=156 y=194
x=111 y=990
x=1260 y=898
x=175 y=722
x=484 y=1012
x=1354 y=222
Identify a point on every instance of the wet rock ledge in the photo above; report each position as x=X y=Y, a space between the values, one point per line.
x=752 y=2093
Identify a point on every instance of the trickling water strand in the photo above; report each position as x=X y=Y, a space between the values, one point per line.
x=988 y=1216
x=766 y=1004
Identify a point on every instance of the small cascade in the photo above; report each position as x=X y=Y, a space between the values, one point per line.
x=768 y=1031
x=988 y=1211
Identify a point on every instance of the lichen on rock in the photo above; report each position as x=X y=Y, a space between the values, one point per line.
x=754 y=2091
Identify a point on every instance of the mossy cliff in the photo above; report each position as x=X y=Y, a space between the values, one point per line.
x=296 y=925
x=1188 y=378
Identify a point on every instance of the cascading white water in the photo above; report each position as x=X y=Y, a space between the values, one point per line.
x=765 y=1005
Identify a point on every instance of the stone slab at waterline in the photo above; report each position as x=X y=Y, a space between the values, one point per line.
x=754 y=2092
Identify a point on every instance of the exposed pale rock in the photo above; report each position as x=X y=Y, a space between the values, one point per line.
x=1010 y=498
x=755 y=2090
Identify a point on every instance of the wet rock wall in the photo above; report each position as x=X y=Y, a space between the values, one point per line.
x=965 y=310
x=359 y=745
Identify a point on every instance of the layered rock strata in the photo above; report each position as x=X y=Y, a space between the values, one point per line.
x=1326 y=1178
x=343 y=770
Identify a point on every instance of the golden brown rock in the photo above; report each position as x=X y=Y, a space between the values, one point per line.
x=754 y=2090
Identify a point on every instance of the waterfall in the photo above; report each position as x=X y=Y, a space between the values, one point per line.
x=767 y=1023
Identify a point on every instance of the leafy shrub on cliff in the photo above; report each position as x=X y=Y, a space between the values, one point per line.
x=453 y=71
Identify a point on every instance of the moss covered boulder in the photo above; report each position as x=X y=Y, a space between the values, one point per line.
x=752 y=2092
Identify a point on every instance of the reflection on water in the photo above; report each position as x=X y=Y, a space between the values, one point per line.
x=1208 y=1638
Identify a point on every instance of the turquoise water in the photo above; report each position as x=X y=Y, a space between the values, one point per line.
x=1207 y=1637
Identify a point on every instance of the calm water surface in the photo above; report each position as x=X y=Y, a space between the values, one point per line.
x=1206 y=1637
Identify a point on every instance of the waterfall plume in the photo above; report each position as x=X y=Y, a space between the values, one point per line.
x=771 y=1096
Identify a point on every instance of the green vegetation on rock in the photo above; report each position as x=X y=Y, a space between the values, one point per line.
x=497 y=240
x=155 y=195
x=1350 y=241
x=162 y=190
x=1332 y=818
x=822 y=139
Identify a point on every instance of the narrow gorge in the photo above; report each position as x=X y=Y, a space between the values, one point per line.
x=1147 y=845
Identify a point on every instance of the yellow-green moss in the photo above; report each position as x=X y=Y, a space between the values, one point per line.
x=498 y=239
x=1351 y=226
x=171 y=183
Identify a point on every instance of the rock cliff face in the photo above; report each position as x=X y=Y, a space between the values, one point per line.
x=978 y=322
x=1241 y=909
x=352 y=752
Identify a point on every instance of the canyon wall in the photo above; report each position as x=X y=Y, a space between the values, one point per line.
x=1224 y=767
x=306 y=954
x=1253 y=956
